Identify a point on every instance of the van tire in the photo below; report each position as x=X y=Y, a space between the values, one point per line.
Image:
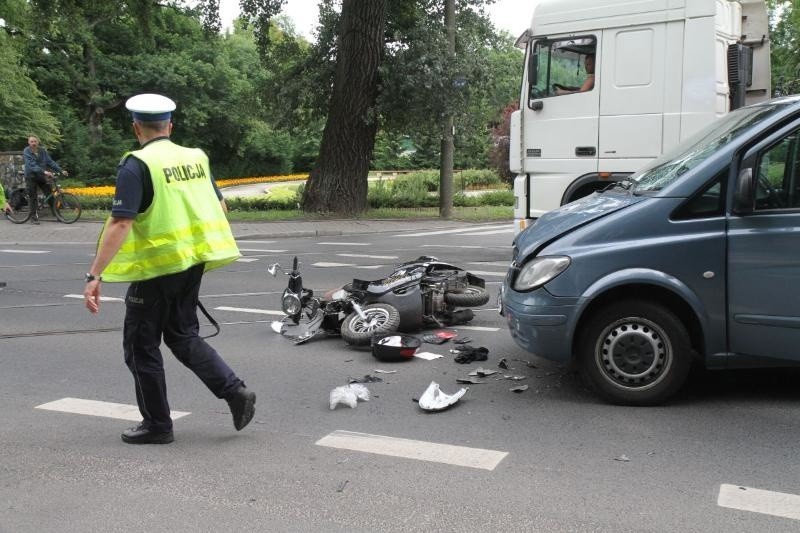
x=634 y=352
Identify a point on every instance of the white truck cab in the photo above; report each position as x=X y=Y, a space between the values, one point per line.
x=609 y=85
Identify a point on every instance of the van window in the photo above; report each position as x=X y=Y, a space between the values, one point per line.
x=778 y=186
x=562 y=67
x=709 y=202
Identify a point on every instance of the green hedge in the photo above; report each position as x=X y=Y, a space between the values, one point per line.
x=412 y=190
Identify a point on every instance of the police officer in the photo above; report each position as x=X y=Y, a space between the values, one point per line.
x=167 y=227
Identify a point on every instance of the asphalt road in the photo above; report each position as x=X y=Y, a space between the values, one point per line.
x=552 y=458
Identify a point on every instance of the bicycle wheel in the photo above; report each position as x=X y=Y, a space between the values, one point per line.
x=21 y=206
x=67 y=208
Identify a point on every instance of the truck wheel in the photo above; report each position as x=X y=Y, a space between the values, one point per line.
x=472 y=296
x=634 y=353
x=380 y=318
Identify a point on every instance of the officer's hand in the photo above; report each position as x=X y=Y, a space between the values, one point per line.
x=91 y=296
x=48 y=173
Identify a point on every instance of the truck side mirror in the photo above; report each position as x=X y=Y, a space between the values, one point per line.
x=745 y=189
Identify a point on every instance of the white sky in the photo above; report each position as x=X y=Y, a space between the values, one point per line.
x=510 y=15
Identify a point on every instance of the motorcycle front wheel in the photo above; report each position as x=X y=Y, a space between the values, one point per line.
x=378 y=318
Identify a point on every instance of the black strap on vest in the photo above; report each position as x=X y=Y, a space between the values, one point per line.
x=210 y=319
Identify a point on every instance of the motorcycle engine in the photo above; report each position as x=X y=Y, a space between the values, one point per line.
x=435 y=289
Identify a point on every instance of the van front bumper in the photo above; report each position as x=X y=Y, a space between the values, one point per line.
x=540 y=322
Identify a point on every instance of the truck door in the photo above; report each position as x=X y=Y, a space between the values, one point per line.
x=764 y=253
x=560 y=121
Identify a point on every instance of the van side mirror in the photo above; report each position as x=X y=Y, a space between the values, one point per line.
x=745 y=189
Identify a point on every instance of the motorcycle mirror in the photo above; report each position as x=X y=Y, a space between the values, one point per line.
x=273 y=269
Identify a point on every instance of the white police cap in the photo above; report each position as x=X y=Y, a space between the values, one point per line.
x=150 y=107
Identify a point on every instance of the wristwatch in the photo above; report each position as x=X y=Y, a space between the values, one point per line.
x=92 y=277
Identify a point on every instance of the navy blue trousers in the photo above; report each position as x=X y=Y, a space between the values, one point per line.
x=167 y=306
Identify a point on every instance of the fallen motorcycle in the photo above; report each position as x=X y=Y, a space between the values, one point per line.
x=419 y=293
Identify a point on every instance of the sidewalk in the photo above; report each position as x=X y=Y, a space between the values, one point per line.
x=51 y=231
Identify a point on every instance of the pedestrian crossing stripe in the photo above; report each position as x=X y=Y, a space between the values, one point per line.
x=119 y=411
x=759 y=501
x=413 y=449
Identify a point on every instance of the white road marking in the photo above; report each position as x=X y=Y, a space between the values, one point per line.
x=261 y=250
x=246 y=259
x=448 y=231
x=413 y=449
x=339 y=265
x=485 y=273
x=248 y=310
x=494 y=232
x=492 y=263
x=477 y=328
x=369 y=256
x=238 y=294
x=26 y=251
x=332 y=265
x=448 y=246
x=346 y=243
x=759 y=501
x=248 y=241
x=102 y=298
x=106 y=409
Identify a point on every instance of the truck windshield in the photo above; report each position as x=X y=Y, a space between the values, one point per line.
x=685 y=156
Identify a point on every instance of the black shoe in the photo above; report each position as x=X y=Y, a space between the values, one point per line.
x=142 y=435
x=243 y=407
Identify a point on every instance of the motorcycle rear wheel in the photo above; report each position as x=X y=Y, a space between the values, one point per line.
x=472 y=296
x=380 y=318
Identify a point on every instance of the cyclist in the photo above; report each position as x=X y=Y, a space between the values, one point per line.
x=37 y=163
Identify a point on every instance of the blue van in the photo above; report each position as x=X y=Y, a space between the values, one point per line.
x=697 y=256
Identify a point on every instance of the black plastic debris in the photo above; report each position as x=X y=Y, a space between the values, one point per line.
x=463 y=340
x=503 y=363
x=468 y=354
x=527 y=363
x=521 y=388
x=430 y=338
x=469 y=380
x=482 y=372
x=366 y=379
x=342 y=485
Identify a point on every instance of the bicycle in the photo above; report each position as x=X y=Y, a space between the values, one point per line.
x=65 y=206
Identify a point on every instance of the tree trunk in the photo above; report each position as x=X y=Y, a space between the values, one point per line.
x=338 y=183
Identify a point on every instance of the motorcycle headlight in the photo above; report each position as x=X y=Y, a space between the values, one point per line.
x=291 y=304
x=539 y=271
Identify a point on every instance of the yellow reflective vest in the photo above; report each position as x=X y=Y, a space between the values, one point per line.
x=183 y=226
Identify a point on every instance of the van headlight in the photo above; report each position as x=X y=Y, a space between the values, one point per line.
x=539 y=271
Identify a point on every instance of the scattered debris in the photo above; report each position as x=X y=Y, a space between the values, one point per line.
x=527 y=363
x=468 y=354
x=482 y=372
x=366 y=379
x=433 y=399
x=439 y=337
x=349 y=395
x=342 y=485
x=503 y=364
x=514 y=378
x=469 y=380
x=276 y=326
x=521 y=388
x=463 y=340
x=622 y=458
x=428 y=356
x=379 y=371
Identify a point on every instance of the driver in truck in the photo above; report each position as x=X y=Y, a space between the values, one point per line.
x=588 y=83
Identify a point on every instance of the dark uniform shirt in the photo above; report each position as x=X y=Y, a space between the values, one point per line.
x=134 y=192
